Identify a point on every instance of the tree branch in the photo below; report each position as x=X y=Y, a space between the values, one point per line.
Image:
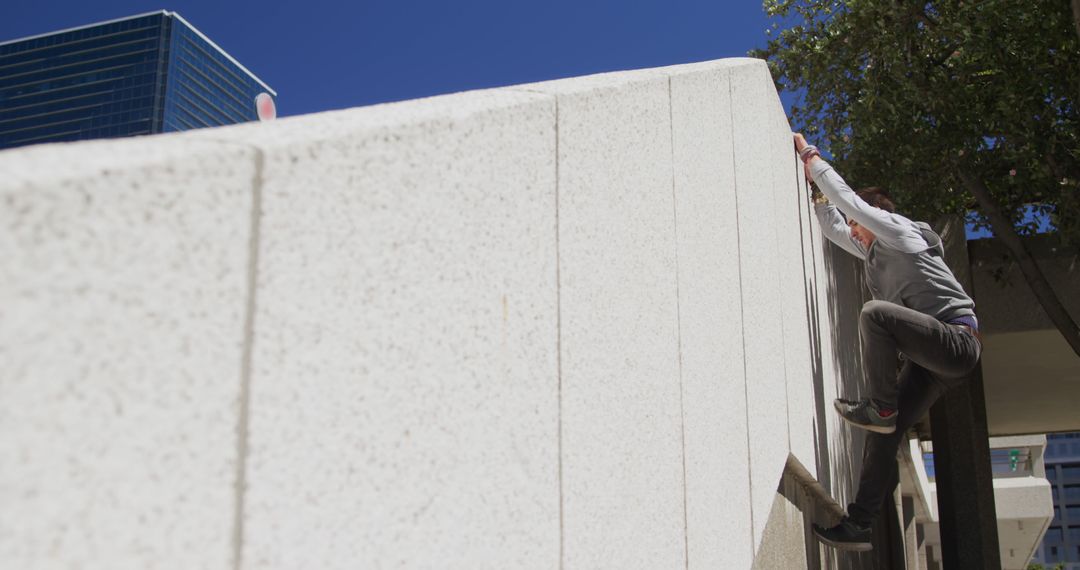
x=1003 y=229
x=949 y=52
x=1052 y=163
x=931 y=23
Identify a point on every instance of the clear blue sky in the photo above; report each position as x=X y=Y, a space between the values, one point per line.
x=321 y=55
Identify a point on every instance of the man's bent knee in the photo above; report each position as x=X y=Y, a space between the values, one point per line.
x=875 y=312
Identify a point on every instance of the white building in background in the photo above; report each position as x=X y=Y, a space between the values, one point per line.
x=1021 y=496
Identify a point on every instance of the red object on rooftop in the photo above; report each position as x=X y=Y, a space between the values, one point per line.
x=264 y=105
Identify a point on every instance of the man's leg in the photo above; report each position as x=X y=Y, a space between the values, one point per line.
x=918 y=390
x=878 y=477
x=887 y=328
x=939 y=356
x=946 y=351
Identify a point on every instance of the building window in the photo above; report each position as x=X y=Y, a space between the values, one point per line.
x=1070 y=471
x=1072 y=493
x=1054 y=535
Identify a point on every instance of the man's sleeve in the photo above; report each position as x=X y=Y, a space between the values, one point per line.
x=893 y=229
x=836 y=229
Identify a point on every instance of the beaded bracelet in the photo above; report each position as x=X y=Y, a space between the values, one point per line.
x=809 y=151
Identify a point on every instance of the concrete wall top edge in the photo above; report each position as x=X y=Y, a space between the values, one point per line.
x=588 y=83
x=52 y=163
x=88 y=158
x=48 y=163
x=614 y=79
x=712 y=65
x=747 y=70
x=334 y=124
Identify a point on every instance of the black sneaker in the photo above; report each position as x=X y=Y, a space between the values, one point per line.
x=847 y=535
x=866 y=415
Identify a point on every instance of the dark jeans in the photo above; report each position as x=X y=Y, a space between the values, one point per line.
x=938 y=357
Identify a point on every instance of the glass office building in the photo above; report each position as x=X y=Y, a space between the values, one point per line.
x=150 y=73
x=1061 y=544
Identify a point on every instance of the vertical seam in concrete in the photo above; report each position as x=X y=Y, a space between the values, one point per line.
x=558 y=329
x=240 y=489
x=806 y=233
x=800 y=191
x=742 y=309
x=806 y=295
x=558 y=335
x=780 y=309
x=678 y=326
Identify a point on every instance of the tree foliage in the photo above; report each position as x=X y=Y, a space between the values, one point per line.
x=1037 y=566
x=911 y=96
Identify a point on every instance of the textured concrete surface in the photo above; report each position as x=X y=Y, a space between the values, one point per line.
x=1028 y=505
x=623 y=503
x=790 y=220
x=405 y=404
x=122 y=306
x=763 y=335
x=783 y=540
x=717 y=476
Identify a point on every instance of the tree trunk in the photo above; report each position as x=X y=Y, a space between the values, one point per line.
x=1004 y=231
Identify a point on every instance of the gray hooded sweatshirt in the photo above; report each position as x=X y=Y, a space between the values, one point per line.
x=905 y=265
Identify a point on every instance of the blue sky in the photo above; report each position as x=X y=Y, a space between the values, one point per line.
x=321 y=55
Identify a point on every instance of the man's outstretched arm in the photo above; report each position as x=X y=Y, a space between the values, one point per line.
x=893 y=229
x=833 y=225
x=836 y=229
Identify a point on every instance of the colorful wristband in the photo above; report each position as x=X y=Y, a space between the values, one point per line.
x=808 y=151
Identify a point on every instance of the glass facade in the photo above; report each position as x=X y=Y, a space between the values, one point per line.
x=145 y=74
x=1061 y=544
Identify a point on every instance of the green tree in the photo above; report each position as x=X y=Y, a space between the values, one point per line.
x=952 y=106
x=1037 y=566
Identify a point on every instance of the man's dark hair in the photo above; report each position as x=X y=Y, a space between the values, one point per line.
x=877 y=197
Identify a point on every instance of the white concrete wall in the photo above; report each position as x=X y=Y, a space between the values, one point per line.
x=573 y=324
x=710 y=303
x=123 y=291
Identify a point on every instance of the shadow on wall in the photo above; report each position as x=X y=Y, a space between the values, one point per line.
x=785 y=532
x=834 y=292
x=845 y=282
x=839 y=470
x=788 y=541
